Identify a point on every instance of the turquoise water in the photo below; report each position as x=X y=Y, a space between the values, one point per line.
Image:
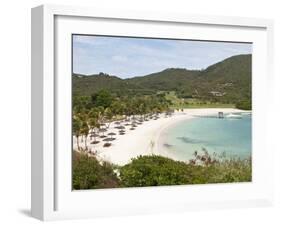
x=229 y=136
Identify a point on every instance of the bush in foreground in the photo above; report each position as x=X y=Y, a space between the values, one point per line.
x=155 y=170
x=158 y=170
x=89 y=173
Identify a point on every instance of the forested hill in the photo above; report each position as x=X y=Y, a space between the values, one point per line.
x=169 y=79
x=87 y=85
x=225 y=81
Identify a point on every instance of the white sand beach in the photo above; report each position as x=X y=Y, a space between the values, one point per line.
x=142 y=140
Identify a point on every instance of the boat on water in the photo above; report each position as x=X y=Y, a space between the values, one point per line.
x=246 y=113
x=234 y=116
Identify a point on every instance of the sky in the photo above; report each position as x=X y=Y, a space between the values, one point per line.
x=130 y=57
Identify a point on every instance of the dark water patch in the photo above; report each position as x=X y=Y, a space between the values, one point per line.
x=167 y=145
x=190 y=140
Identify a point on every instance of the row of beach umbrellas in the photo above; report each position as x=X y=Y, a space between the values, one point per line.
x=120 y=127
x=134 y=122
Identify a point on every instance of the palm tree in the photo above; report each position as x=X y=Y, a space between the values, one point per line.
x=84 y=117
x=76 y=126
x=93 y=119
x=100 y=116
x=108 y=116
x=85 y=132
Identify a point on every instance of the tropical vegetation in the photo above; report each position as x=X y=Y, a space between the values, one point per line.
x=153 y=170
x=95 y=113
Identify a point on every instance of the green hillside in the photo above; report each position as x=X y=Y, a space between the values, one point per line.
x=231 y=78
x=87 y=85
x=169 y=79
x=228 y=81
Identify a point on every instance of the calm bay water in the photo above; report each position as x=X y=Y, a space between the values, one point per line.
x=230 y=136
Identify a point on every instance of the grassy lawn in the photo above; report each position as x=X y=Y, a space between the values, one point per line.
x=211 y=105
x=178 y=103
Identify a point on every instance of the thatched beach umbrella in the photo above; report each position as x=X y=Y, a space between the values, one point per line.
x=102 y=124
x=109 y=139
x=107 y=145
x=94 y=135
x=111 y=134
x=122 y=131
x=103 y=130
x=95 y=142
x=117 y=123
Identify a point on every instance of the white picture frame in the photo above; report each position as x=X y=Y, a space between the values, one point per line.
x=52 y=198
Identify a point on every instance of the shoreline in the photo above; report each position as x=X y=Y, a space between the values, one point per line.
x=145 y=138
x=197 y=112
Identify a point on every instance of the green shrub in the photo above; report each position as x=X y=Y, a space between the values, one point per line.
x=158 y=170
x=244 y=105
x=155 y=170
x=232 y=170
x=88 y=173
